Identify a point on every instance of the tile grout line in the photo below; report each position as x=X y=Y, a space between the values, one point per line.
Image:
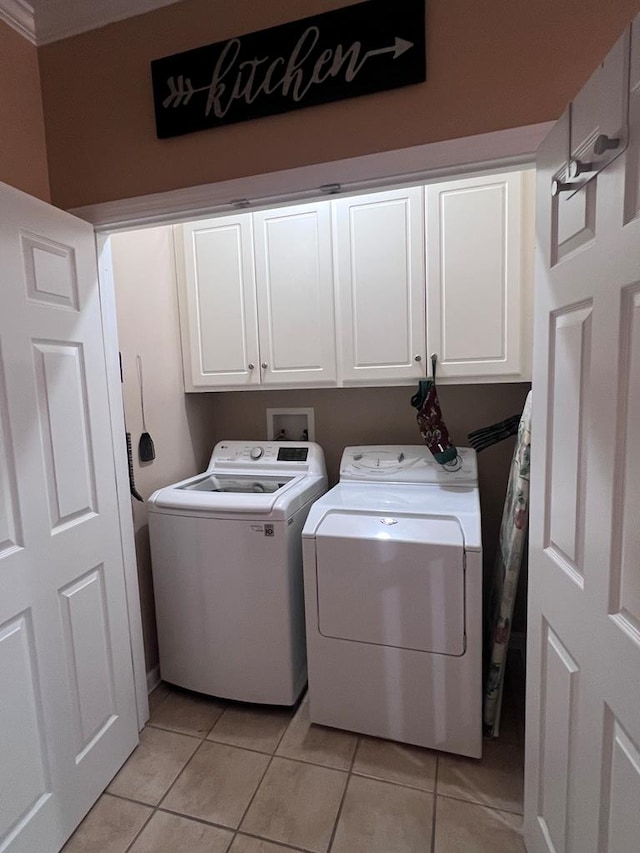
x=230 y=829
x=266 y=769
x=492 y=808
x=208 y=739
x=202 y=740
x=195 y=752
x=129 y=799
x=361 y=775
x=178 y=732
x=344 y=794
x=285 y=844
x=274 y=755
x=141 y=830
x=155 y=808
x=166 y=810
x=350 y=773
x=253 y=796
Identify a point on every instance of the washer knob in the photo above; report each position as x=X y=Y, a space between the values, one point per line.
x=256 y=452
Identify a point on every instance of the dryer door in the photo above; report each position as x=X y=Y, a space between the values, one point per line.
x=392 y=581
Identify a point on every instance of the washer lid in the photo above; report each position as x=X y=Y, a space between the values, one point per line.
x=234 y=494
x=239 y=484
x=391 y=580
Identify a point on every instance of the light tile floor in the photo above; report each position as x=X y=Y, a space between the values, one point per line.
x=216 y=777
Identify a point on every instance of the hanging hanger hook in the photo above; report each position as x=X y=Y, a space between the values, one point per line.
x=434 y=361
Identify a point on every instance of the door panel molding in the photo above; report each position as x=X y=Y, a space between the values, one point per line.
x=558 y=677
x=10 y=525
x=566 y=475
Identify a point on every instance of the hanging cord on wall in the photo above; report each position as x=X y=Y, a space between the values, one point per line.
x=132 y=483
x=480 y=439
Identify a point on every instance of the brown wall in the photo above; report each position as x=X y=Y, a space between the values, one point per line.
x=492 y=64
x=23 y=157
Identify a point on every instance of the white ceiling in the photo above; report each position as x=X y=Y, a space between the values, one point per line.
x=44 y=21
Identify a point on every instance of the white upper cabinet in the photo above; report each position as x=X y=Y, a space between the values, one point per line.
x=361 y=290
x=218 y=303
x=381 y=285
x=294 y=276
x=479 y=269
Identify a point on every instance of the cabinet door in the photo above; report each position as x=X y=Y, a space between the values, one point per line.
x=380 y=257
x=294 y=275
x=475 y=296
x=218 y=303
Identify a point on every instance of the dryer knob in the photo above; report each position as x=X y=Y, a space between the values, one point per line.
x=256 y=452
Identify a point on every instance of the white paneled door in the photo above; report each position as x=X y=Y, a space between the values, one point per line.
x=67 y=703
x=583 y=694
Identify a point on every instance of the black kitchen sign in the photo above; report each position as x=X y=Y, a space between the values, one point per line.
x=365 y=48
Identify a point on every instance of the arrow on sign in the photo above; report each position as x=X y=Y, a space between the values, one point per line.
x=399 y=47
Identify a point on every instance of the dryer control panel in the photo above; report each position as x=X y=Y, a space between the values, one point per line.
x=407 y=464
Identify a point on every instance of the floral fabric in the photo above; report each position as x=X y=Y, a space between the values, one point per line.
x=433 y=429
x=511 y=546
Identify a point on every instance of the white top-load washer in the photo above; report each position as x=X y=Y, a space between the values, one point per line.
x=227 y=571
x=393 y=594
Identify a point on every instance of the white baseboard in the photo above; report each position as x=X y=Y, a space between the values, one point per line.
x=153 y=678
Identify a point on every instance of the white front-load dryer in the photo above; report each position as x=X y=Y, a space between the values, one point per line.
x=393 y=594
x=227 y=571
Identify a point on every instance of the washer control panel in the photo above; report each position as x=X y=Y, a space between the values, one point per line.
x=293 y=456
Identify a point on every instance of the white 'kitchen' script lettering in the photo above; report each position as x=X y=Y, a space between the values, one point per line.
x=245 y=81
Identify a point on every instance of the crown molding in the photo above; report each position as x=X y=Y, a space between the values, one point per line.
x=60 y=19
x=20 y=16
x=47 y=21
